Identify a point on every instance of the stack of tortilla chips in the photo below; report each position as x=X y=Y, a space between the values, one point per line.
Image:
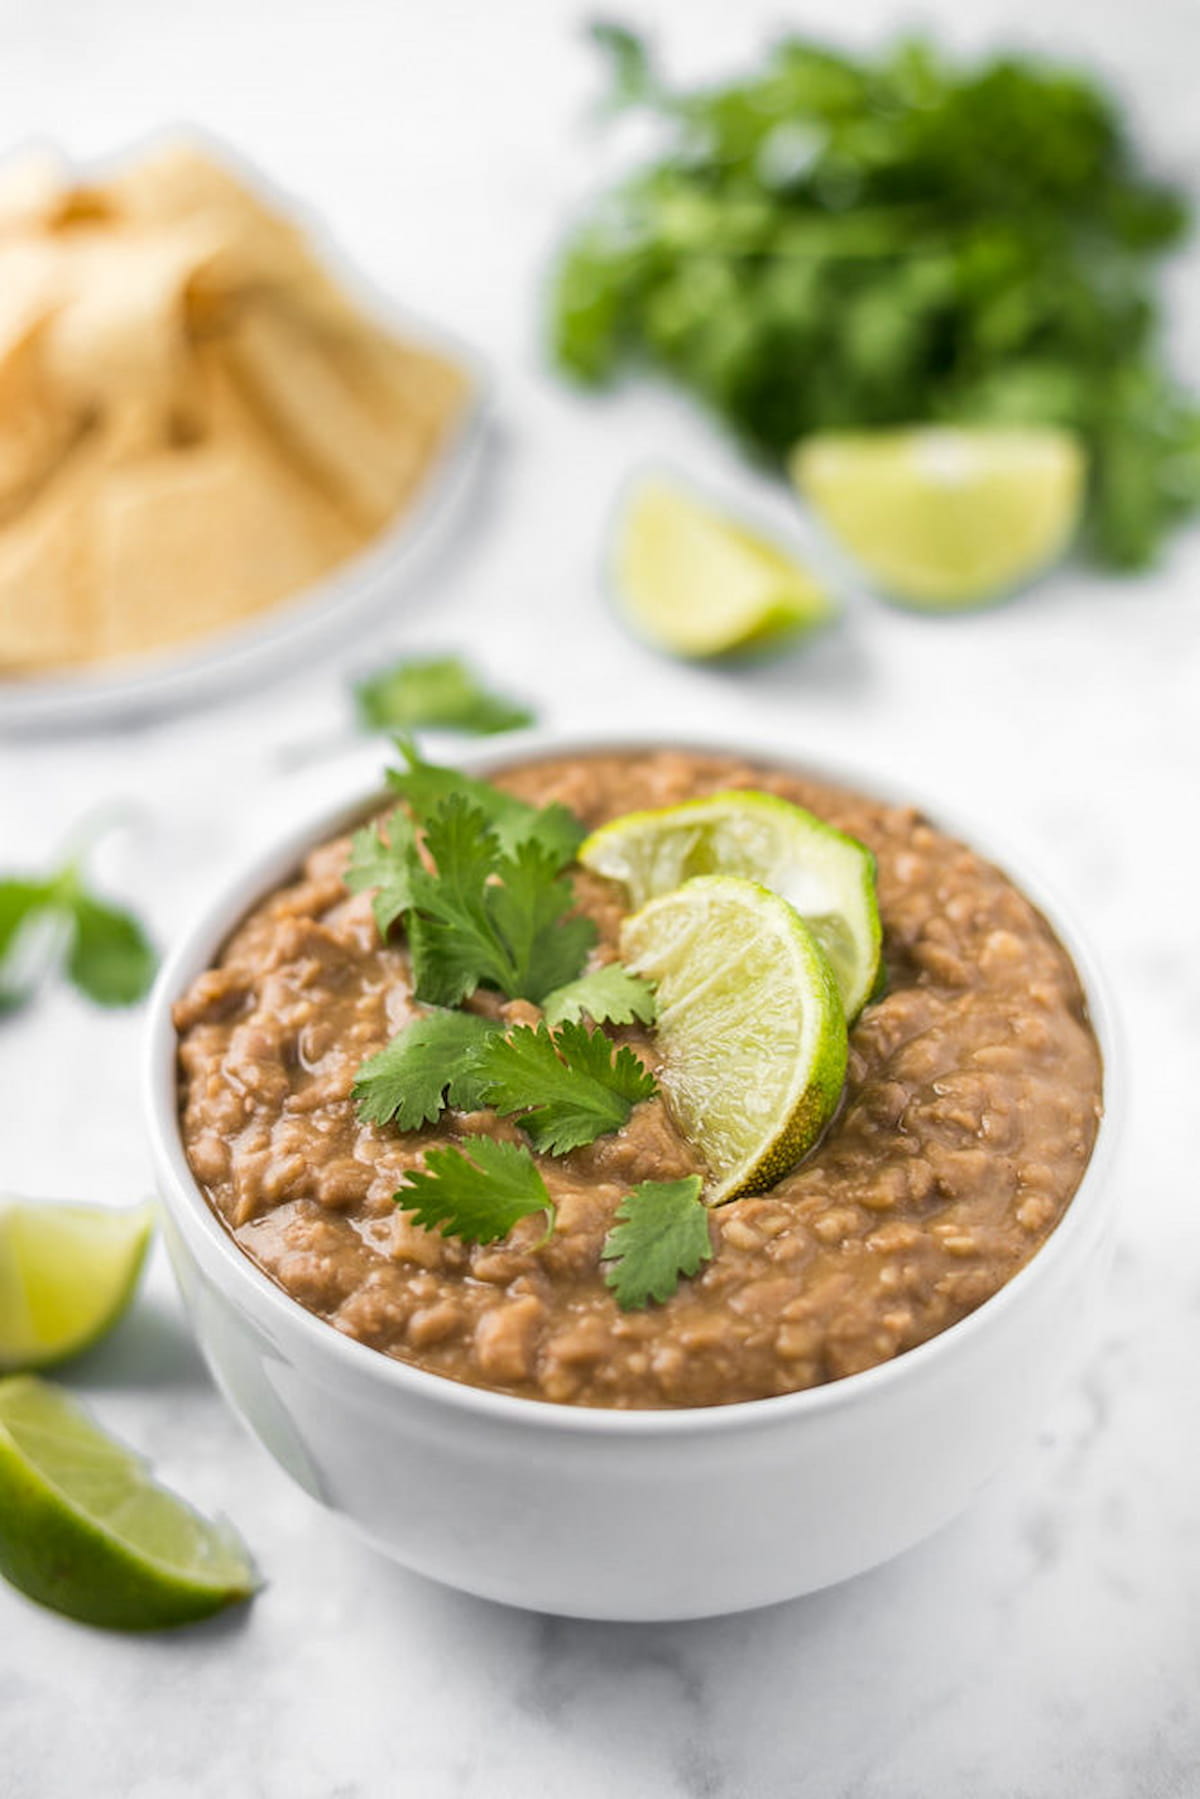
x=195 y=420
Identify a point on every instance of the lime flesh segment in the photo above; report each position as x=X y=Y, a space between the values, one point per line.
x=67 y=1273
x=828 y=877
x=750 y=1026
x=946 y=518
x=85 y=1530
x=698 y=584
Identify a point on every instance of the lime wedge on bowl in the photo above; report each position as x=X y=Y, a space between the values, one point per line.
x=945 y=518
x=85 y=1530
x=698 y=584
x=827 y=877
x=750 y=1026
x=67 y=1273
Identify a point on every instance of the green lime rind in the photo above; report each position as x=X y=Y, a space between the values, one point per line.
x=86 y=1531
x=67 y=1275
x=751 y=1027
x=828 y=877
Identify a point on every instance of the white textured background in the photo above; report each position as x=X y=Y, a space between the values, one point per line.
x=1046 y=1645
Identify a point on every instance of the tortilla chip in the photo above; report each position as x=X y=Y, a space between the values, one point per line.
x=44 y=609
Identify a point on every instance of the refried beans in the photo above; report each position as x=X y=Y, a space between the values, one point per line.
x=970 y=1111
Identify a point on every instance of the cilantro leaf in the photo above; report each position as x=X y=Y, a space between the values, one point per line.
x=406 y=1083
x=476 y=1193
x=662 y=1234
x=568 y=1088
x=111 y=959
x=438 y=692
x=424 y=785
x=527 y=905
x=608 y=995
x=385 y=863
x=484 y=918
x=57 y=922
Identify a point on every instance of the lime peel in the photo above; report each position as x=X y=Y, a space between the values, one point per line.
x=85 y=1530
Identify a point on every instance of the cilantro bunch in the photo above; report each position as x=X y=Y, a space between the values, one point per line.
x=839 y=242
x=475 y=876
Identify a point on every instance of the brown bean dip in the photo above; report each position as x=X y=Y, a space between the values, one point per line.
x=970 y=1112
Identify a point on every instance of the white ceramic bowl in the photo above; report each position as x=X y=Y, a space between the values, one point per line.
x=623 y=1515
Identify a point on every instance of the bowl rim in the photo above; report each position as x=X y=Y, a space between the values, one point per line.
x=250 y=1289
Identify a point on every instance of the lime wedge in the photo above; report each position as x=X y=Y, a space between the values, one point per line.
x=828 y=877
x=698 y=584
x=945 y=518
x=84 y=1529
x=750 y=1026
x=67 y=1273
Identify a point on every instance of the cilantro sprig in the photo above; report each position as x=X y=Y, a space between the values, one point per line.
x=57 y=921
x=475 y=874
x=661 y=1234
x=476 y=1193
x=436 y=692
x=565 y=1088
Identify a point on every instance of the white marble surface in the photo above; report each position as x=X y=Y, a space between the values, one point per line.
x=1049 y=1642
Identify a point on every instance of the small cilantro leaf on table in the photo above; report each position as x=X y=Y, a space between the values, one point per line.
x=566 y=1088
x=608 y=995
x=438 y=692
x=430 y=1060
x=58 y=922
x=476 y=1193
x=111 y=960
x=662 y=1234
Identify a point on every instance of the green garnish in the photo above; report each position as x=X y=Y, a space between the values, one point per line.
x=57 y=921
x=662 y=1234
x=422 y=784
x=489 y=919
x=840 y=242
x=427 y=1065
x=608 y=995
x=474 y=873
x=438 y=692
x=567 y=1087
x=476 y=1193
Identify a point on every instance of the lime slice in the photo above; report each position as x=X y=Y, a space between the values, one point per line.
x=828 y=877
x=945 y=518
x=698 y=584
x=84 y=1529
x=67 y=1272
x=750 y=1026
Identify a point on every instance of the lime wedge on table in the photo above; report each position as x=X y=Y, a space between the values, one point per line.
x=946 y=517
x=698 y=584
x=85 y=1530
x=67 y=1272
x=828 y=877
x=750 y=1026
